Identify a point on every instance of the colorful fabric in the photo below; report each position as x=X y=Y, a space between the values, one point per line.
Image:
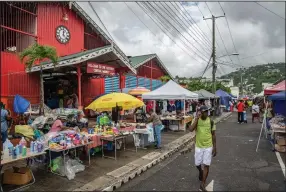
x=56 y=126
x=4 y=125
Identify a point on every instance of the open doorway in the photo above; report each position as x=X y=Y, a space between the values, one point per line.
x=58 y=89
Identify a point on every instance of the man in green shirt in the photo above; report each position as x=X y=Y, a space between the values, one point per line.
x=205 y=147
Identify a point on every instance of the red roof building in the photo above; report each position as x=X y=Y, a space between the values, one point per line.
x=90 y=63
x=276 y=88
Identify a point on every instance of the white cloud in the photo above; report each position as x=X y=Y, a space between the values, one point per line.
x=254 y=31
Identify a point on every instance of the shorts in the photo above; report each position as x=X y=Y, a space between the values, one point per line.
x=203 y=156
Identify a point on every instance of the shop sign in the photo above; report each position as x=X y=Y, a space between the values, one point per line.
x=101 y=69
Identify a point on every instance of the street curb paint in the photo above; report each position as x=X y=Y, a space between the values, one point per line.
x=111 y=181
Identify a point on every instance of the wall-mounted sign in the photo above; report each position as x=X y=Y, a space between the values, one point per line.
x=101 y=69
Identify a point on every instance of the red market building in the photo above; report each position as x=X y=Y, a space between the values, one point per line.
x=89 y=64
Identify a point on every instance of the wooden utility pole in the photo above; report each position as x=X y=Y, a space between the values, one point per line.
x=213 y=18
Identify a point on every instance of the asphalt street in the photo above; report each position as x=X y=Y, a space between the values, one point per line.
x=237 y=166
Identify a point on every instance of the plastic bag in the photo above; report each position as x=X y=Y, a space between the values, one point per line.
x=72 y=167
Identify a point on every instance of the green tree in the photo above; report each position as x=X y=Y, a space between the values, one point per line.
x=34 y=55
x=165 y=78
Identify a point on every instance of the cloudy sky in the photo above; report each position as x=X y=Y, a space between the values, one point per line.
x=185 y=44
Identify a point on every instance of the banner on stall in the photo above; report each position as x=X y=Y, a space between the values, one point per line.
x=101 y=69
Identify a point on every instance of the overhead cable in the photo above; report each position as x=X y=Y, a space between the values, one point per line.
x=270 y=10
x=161 y=27
x=159 y=15
x=169 y=9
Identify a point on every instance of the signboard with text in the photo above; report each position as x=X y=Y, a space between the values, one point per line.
x=101 y=69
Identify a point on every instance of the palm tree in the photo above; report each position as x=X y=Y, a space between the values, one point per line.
x=34 y=55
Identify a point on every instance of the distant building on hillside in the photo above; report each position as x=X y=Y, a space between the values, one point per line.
x=265 y=85
x=234 y=91
x=225 y=82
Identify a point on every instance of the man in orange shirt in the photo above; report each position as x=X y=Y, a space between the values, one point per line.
x=240 y=108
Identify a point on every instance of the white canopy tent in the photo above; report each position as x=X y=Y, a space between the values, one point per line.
x=170 y=91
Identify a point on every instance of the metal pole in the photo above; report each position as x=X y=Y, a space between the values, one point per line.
x=241 y=86
x=214 y=64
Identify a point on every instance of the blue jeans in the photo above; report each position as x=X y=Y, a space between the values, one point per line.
x=4 y=136
x=157 y=130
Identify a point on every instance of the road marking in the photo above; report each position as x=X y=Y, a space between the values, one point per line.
x=282 y=165
x=210 y=186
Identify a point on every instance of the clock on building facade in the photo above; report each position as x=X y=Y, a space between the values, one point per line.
x=63 y=34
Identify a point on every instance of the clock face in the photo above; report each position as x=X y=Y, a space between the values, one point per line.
x=62 y=34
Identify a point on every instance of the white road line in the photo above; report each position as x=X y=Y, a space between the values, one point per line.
x=282 y=165
x=210 y=186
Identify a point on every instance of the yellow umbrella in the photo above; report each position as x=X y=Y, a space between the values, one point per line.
x=115 y=99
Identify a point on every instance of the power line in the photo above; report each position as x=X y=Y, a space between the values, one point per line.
x=190 y=23
x=174 y=16
x=193 y=22
x=154 y=10
x=269 y=10
x=144 y=23
x=207 y=23
x=156 y=22
x=100 y=20
x=229 y=32
x=220 y=35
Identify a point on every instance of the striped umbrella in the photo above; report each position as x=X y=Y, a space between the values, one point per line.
x=138 y=91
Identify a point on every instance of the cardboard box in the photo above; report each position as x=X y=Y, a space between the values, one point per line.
x=17 y=176
x=281 y=140
x=281 y=149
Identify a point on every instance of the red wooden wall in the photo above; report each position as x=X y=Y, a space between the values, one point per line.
x=50 y=16
x=150 y=70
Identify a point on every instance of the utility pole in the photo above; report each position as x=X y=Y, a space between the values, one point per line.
x=213 y=18
x=241 y=82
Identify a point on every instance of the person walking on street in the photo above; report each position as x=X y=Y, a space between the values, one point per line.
x=205 y=147
x=255 y=112
x=157 y=124
x=240 y=109
x=4 y=124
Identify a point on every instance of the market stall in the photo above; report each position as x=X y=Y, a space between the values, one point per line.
x=277 y=123
x=20 y=176
x=172 y=91
x=111 y=133
x=224 y=99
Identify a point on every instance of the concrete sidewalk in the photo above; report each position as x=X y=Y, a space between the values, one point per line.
x=108 y=174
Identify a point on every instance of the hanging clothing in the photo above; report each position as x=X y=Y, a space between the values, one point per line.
x=165 y=107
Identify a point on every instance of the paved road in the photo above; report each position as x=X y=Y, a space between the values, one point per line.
x=237 y=166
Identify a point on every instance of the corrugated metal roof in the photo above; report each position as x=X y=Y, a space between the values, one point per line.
x=136 y=60
x=75 y=55
x=139 y=60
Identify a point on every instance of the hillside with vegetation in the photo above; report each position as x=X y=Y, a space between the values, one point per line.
x=256 y=75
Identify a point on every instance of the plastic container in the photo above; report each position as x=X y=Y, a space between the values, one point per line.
x=35 y=147
x=23 y=142
x=14 y=153
x=32 y=147
x=24 y=151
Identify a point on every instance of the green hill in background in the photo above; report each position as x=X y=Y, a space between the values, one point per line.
x=256 y=75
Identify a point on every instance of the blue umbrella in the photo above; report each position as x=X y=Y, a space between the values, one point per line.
x=21 y=105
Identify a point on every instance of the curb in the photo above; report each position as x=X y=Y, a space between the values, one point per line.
x=115 y=179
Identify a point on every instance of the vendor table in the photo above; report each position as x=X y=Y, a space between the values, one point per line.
x=28 y=158
x=180 y=122
x=63 y=151
x=113 y=139
x=276 y=130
